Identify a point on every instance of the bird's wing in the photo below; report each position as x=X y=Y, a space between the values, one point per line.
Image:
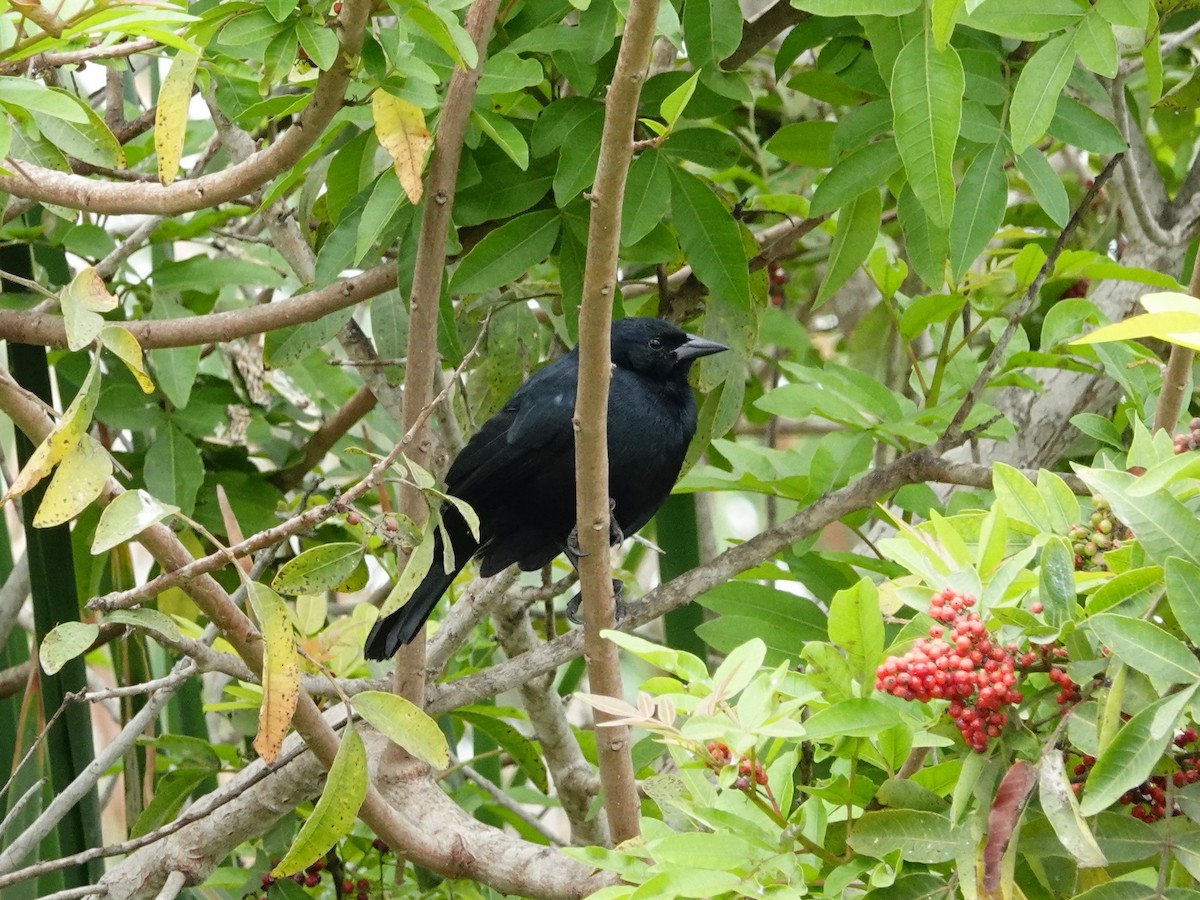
x=535 y=422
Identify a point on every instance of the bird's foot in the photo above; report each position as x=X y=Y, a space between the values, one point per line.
x=615 y=535
x=575 y=613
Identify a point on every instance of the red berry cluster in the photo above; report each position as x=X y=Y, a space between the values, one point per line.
x=750 y=772
x=964 y=667
x=310 y=877
x=1148 y=801
x=1190 y=439
x=1078 y=288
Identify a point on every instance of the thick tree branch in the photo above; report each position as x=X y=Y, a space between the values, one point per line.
x=44 y=185
x=760 y=31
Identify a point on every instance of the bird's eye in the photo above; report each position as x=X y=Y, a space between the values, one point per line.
x=656 y=343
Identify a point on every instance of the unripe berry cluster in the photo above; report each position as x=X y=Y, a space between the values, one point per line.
x=1190 y=439
x=959 y=663
x=1102 y=532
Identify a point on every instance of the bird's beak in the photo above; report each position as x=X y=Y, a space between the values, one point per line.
x=695 y=347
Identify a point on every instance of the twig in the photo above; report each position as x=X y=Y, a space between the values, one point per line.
x=94 y=890
x=428 y=270
x=175 y=883
x=12 y=596
x=475 y=603
x=1177 y=374
x=146 y=687
x=322 y=440
x=953 y=432
x=511 y=805
x=34 y=64
x=763 y=29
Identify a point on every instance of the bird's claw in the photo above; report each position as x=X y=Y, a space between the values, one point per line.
x=574 y=613
x=615 y=535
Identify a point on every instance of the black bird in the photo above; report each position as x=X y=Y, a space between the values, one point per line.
x=518 y=471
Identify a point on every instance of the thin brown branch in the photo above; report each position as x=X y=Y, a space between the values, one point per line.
x=760 y=31
x=34 y=64
x=34 y=327
x=428 y=271
x=1178 y=374
x=33 y=182
x=591 y=413
x=323 y=439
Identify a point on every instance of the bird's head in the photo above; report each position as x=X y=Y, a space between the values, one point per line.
x=657 y=348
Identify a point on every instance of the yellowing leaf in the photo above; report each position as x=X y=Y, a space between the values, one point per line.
x=82 y=300
x=1181 y=328
x=281 y=671
x=121 y=342
x=171 y=116
x=79 y=480
x=334 y=815
x=61 y=439
x=65 y=642
x=405 y=724
x=400 y=127
x=129 y=514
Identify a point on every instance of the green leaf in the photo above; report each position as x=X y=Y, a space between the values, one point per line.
x=524 y=752
x=712 y=29
x=804 y=144
x=1039 y=86
x=680 y=663
x=927 y=92
x=173 y=469
x=29 y=94
x=445 y=31
x=507 y=253
x=712 y=148
x=857 y=7
x=979 y=209
x=146 y=619
x=1131 y=757
x=318 y=42
x=1082 y=127
x=318 y=569
x=405 y=724
x=506 y=72
x=857 y=228
x=853 y=175
x=1056 y=585
x=415 y=570
x=647 y=192
x=387 y=211
x=918 y=836
x=711 y=239
x=1045 y=183
x=505 y=135
x=285 y=347
x=65 y=641
x=1183 y=595
x=856 y=717
x=336 y=812
x=927 y=244
x=1018 y=496
x=1146 y=648
x=1097 y=45
x=676 y=102
x=856 y=626
x=129 y=514
x=170 y=793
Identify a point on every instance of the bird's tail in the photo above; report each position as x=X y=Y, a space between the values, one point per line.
x=397 y=629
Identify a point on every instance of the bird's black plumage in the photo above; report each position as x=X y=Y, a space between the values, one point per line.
x=518 y=471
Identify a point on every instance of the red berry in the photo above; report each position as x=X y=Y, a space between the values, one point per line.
x=1036 y=608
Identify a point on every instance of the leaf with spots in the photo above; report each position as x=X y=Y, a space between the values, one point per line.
x=323 y=568
x=82 y=302
x=62 y=438
x=64 y=643
x=335 y=813
x=171 y=115
x=400 y=127
x=280 y=675
x=79 y=480
x=403 y=723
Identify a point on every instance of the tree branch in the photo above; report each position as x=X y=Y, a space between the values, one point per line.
x=760 y=31
x=33 y=182
x=590 y=420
